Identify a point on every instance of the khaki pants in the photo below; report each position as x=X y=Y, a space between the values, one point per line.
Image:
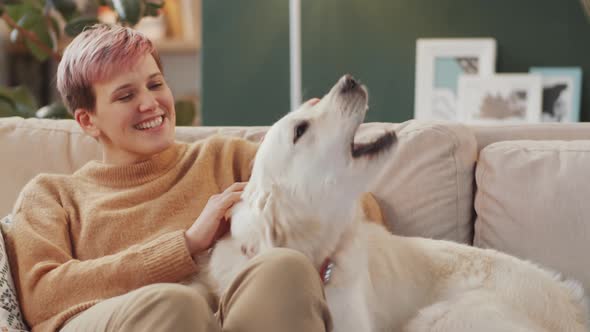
x=277 y=291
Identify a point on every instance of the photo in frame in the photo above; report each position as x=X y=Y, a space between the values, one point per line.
x=562 y=89
x=500 y=98
x=439 y=64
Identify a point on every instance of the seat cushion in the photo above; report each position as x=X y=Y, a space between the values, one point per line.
x=532 y=201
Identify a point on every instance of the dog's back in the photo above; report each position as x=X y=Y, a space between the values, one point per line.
x=416 y=280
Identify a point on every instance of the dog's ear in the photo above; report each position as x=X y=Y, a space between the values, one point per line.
x=274 y=234
x=261 y=201
x=268 y=204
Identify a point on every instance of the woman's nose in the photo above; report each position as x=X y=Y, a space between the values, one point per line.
x=148 y=102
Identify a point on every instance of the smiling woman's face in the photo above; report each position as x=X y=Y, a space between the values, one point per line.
x=134 y=116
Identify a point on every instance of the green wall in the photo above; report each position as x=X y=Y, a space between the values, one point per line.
x=246 y=49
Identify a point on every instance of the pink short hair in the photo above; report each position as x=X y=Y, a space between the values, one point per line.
x=96 y=55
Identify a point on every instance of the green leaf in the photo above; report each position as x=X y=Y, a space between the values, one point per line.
x=35 y=22
x=153 y=8
x=30 y=17
x=7 y=106
x=155 y=3
x=6 y=97
x=55 y=27
x=21 y=98
x=17 y=11
x=185 y=112
x=22 y=95
x=77 y=25
x=129 y=11
x=67 y=8
x=7 y=109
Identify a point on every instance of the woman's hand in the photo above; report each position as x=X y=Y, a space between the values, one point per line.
x=211 y=224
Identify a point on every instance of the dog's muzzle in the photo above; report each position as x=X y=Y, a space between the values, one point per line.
x=349 y=84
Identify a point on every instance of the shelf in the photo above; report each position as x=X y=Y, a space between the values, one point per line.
x=177 y=46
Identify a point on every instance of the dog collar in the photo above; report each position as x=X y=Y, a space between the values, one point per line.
x=326 y=270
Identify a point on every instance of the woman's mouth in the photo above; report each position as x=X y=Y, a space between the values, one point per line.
x=150 y=124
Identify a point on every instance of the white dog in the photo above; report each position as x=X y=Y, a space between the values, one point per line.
x=307 y=177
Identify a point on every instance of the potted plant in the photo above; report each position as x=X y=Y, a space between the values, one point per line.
x=43 y=27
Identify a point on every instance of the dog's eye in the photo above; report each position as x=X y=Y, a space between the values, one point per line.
x=300 y=129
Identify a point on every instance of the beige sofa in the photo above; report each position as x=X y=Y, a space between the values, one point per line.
x=522 y=189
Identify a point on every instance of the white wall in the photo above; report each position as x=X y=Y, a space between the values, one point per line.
x=183 y=73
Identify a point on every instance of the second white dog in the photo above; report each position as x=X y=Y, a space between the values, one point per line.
x=307 y=177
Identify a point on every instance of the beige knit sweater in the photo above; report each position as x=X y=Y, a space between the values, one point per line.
x=106 y=230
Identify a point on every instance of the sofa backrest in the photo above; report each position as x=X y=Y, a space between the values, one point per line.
x=426 y=190
x=488 y=134
x=33 y=146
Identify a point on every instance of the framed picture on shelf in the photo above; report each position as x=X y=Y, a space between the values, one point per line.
x=562 y=89
x=439 y=63
x=501 y=98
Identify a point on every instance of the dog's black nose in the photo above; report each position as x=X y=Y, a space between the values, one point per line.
x=349 y=83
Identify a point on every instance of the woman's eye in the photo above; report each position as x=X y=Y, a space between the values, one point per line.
x=126 y=97
x=155 y=86
x=300 y=129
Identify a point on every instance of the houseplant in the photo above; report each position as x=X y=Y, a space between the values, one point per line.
x=43 y=28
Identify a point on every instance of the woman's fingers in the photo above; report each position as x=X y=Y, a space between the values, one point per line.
x=224 y=227
x=237 y=186
x=225 y=201
x=229 y=199
x=313 y=101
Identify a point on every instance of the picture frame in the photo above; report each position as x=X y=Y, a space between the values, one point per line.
x=562 y=91
x=501 y=98
x=439 y=63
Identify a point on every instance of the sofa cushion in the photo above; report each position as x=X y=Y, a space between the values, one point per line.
x=425 y=190
x=32 y=146
x=427 y=187
x=11 y=318
x=532 y=202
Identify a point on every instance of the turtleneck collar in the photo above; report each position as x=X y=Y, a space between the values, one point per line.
x=134 y=174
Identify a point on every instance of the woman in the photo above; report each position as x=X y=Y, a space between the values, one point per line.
x=104 y=249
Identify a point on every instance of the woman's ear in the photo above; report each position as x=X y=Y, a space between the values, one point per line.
x=85 y=119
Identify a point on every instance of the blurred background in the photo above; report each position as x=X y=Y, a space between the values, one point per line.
x=227 y=61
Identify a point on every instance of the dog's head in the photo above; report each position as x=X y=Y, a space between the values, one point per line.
x=312 y=149
x=311 y=156
x=309 y=173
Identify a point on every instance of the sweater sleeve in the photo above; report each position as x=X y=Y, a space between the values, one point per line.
x=50 y=280
x=240 y=154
